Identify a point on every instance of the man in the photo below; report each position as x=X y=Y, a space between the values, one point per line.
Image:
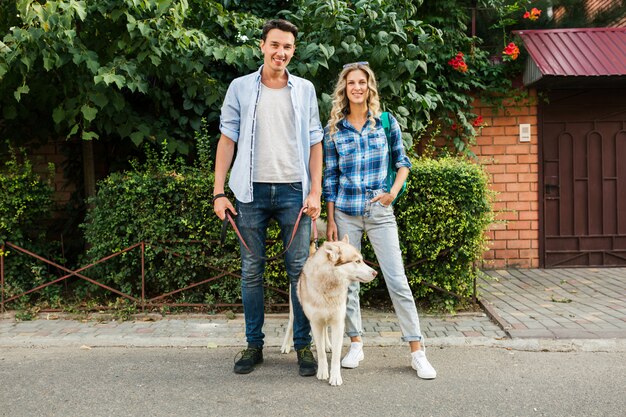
x=272 y=117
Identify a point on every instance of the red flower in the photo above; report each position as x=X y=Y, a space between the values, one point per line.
x=533 y=14
x=478 y=121
x=511 y=51
x=458 y=63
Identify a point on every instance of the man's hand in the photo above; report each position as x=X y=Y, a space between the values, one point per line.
x=312 y=205
x=220 y=206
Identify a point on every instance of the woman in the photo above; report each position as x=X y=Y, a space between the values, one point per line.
x=356 y=157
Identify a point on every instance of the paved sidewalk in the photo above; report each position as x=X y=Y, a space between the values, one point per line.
x=573 y=303
x=559 y=310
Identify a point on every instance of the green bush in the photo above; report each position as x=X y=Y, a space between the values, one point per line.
x=25 y=207
x=169 y=206
x=442 y=220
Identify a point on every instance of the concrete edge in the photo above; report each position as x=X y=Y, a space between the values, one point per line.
x=530 y=345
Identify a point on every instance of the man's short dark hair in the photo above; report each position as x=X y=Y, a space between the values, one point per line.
x=280 y=24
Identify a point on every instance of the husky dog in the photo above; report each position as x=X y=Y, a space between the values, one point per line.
x=323 y=291
x=286 y=346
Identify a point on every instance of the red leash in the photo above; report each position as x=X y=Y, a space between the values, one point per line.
x=228 y=218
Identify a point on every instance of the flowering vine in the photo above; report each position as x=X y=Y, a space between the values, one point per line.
x=458 y=63
x=533 y=14
x=511 y=52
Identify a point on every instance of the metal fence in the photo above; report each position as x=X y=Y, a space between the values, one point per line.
x=160 y=300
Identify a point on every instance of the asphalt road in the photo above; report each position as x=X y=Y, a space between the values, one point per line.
x=199 y=382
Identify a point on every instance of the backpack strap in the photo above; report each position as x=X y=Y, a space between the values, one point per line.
x=384 y=119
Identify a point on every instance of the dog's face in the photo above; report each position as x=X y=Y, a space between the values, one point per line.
x=348 y=261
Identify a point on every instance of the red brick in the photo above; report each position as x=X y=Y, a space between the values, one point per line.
x=506 y=159
x=498 y=187
x=493 y=150
x=529 y=234
x=522 y=149
x=495 y=169
x=519 y=205
x=518 y=186
x=528 y=196
x=528 y=177
x=498 y=244
x=528 y=159
x=520 y=225
x=505 y=178
x=492 y=131
x=518 y=244
x=532 y=120
x=506 y=254
x=518 y=168
x=504 y=121
x=509 y=197
x=483 y=141
x=528 y=215
x=507 y=215
x=506 y=234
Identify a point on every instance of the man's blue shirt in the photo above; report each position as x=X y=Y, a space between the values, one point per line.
x=237 y=122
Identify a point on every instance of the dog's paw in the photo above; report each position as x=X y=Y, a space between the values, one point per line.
x=322 y=373
x=335 y=379
x=285 y=348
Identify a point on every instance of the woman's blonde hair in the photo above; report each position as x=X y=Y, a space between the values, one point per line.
x=341 y=105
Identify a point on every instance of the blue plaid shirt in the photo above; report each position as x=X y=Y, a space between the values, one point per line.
x=356 y=162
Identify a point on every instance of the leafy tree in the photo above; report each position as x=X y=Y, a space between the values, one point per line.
x=114 y=68
x=387 y=34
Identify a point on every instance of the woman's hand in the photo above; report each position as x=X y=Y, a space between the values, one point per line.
x=385 y=199
x=331 y=231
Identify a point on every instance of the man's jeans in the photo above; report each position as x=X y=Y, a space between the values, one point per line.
x=380 y=225
x=283 y=203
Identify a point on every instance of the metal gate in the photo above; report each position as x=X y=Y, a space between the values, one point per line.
x=583 y=154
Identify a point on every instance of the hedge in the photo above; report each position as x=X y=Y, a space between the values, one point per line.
x=442 y=221
x=25 y=207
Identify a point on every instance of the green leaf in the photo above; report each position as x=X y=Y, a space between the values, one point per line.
x=89 y=112
x=137 y=138
x=58 y=115
x=24 y=89
x=90 y=135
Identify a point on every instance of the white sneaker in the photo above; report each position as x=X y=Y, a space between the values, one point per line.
x=424 y=369
x=354 y=356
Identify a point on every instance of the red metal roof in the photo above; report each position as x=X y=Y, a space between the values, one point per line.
x=577 y=52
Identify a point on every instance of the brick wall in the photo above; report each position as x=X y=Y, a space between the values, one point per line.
x=513 y=168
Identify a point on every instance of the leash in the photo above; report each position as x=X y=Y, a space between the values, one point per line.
x=228 y=218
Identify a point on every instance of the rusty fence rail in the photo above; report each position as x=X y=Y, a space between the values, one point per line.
x=161 y=300
x=141 y=301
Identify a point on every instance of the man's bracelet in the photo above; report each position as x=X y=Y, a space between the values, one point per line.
x=216 y=196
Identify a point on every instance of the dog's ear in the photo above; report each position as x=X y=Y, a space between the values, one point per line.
x=332 y=251
x=345 y=239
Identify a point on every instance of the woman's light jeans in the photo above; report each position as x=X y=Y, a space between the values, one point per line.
x=379 y=223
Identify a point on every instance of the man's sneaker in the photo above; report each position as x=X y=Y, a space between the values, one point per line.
x=249 y=358
x=306 y=361
x=354 y=356
x=424 y=369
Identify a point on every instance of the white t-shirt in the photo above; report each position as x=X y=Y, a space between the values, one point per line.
x=276 y=157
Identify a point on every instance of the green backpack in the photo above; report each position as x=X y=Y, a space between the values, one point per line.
x=391 y=169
